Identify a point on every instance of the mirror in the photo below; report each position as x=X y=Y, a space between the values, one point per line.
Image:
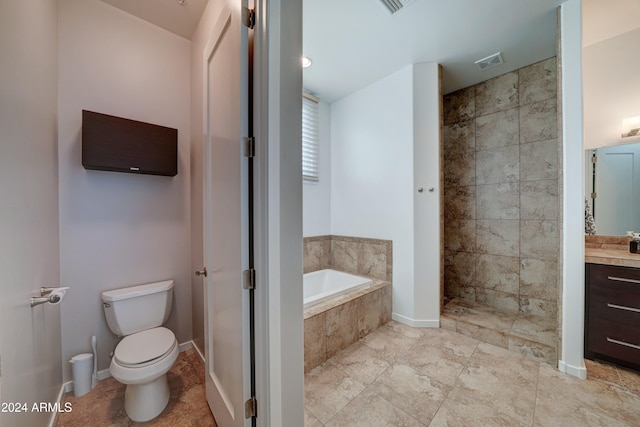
x=612 y=187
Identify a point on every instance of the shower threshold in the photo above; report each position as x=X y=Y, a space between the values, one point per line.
x=533 y=336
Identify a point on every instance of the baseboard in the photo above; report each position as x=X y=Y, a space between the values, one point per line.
x=54 y=415
x=198 y=353
x=576 y=371
x=415 y=323
x=104 y=374
x=185 y=346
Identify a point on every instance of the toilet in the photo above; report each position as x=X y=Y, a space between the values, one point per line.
x=147 y=351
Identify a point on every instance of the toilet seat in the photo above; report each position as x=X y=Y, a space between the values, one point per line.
x=145 y=348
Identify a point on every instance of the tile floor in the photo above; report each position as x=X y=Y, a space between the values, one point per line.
x=104 y=405
x=401 y=376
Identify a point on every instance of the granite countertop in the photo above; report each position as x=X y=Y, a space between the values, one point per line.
x=609 y=256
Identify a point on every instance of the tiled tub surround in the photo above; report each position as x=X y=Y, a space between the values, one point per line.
x=335 y=324
x=356 y=255
x=501 y=191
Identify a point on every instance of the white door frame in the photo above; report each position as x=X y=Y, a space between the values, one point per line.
x=278 y=201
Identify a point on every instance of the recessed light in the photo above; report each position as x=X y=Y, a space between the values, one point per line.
x=306 y=62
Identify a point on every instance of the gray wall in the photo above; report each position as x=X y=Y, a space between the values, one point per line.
x=501 y=191
x=119 y=229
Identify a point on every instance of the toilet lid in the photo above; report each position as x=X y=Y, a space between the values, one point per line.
x=144 y=346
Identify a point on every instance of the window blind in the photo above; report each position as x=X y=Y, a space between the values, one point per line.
x=309 y=137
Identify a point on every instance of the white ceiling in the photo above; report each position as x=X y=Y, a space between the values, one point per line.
x=354 y=43
x=168 y=14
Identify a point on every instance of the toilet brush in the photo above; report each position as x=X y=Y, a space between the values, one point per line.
x=94 y=378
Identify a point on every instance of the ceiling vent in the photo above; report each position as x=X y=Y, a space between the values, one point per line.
x=490 y=61
x=394 y=5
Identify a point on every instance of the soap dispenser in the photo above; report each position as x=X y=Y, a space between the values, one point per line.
x=634 y=244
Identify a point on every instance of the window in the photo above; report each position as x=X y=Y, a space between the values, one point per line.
x=309 y=137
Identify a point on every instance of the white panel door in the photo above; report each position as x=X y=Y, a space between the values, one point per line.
x=225 y=216
x=30 y=340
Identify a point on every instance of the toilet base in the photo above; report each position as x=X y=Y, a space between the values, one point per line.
x=143 y=402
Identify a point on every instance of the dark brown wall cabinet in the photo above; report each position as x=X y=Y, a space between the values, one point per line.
x=612 y=323
x=112 y=143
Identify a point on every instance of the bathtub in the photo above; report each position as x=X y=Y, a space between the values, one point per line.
x=322 y=285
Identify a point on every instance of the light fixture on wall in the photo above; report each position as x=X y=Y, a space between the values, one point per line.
x=630 y=126
x=306 y=62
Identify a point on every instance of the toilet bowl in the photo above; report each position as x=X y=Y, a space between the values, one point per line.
x=147 y=352
x=141 y=361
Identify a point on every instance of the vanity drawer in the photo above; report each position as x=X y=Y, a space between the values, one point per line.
x=615 y=340
x=616 y=305
x=612 y=277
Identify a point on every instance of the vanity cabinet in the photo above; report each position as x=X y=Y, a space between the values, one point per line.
x=612 y=315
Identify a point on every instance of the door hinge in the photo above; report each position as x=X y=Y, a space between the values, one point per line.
x=249 y=279
x=249 y=146
x=248 y=17
x=251 y=408
x=594 y=195
x=594 y=159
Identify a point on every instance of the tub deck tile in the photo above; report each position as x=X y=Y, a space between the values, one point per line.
x=316 y=309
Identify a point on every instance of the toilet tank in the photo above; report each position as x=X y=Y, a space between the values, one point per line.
x=137 y=308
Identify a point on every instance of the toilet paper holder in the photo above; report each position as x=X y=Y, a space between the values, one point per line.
x=50 y=295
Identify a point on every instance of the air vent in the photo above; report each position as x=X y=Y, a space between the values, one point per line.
x=490 y=61
x=394 y=5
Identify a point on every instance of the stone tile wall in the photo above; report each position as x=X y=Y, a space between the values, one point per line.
x=356 y=255
x=501 y=235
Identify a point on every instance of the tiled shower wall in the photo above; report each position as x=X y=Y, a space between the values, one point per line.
x=501 y=191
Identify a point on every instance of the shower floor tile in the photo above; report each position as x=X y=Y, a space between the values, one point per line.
x=447 y=379
x=104 y=405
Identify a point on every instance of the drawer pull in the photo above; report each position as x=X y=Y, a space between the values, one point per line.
x=622 y=307
x=626 y=344
x=622 y=279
